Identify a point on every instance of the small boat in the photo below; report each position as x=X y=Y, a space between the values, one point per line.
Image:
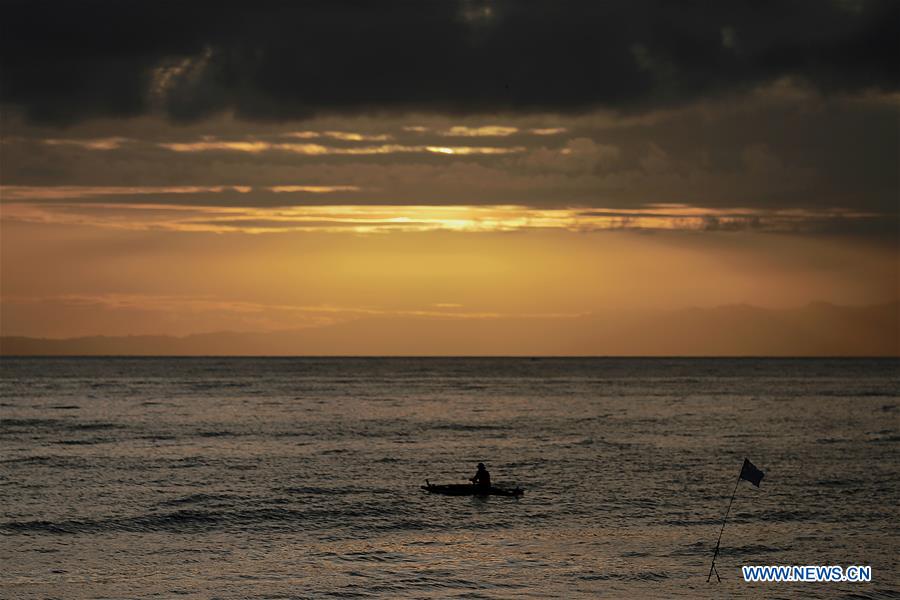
x=467 y=489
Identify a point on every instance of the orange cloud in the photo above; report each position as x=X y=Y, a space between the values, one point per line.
x=484 y=131
x=401 y=218
x=110 y=143
x=76 y=192
x=312 y=149
x=548 y=131
x=69 y=192
x=344 y=136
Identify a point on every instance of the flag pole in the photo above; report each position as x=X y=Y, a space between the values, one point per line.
x=712 y=567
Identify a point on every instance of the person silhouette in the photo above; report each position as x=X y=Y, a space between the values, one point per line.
x=482 y=478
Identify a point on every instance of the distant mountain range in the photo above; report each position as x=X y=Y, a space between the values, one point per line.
x=819 y=329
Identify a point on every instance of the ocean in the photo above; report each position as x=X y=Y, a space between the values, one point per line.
x=300 y=478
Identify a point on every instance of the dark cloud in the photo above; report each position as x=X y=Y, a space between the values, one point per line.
x=67 y=61
x=766 y=152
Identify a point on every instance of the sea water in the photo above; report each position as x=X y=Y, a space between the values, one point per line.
x=300 y=478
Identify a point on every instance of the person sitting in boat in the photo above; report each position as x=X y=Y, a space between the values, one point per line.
x=482 y=478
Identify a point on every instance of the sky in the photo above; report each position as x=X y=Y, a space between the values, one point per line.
x=190 y=168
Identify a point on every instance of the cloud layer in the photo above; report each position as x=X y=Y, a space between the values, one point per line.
x=387 y=219
x=66 y=61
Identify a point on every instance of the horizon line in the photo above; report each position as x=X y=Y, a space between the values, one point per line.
x=476 y=356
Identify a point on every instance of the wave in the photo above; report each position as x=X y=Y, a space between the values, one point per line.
x=28 y=460
x=196 y=499
x=693 y=522
x=63 y=461
x=752 y=549
x=177 y=521
x=157 y=437
x=185 y=520
x=87 y=442
x=216 y=434
x=306 y=509
x=53 y=425
x=27 y=423
x=467 y=427
x=315 y=491
x=640 y=576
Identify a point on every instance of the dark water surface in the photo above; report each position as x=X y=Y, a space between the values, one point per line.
x=295 y=478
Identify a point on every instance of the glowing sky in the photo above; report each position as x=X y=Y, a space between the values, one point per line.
x=225 y=178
